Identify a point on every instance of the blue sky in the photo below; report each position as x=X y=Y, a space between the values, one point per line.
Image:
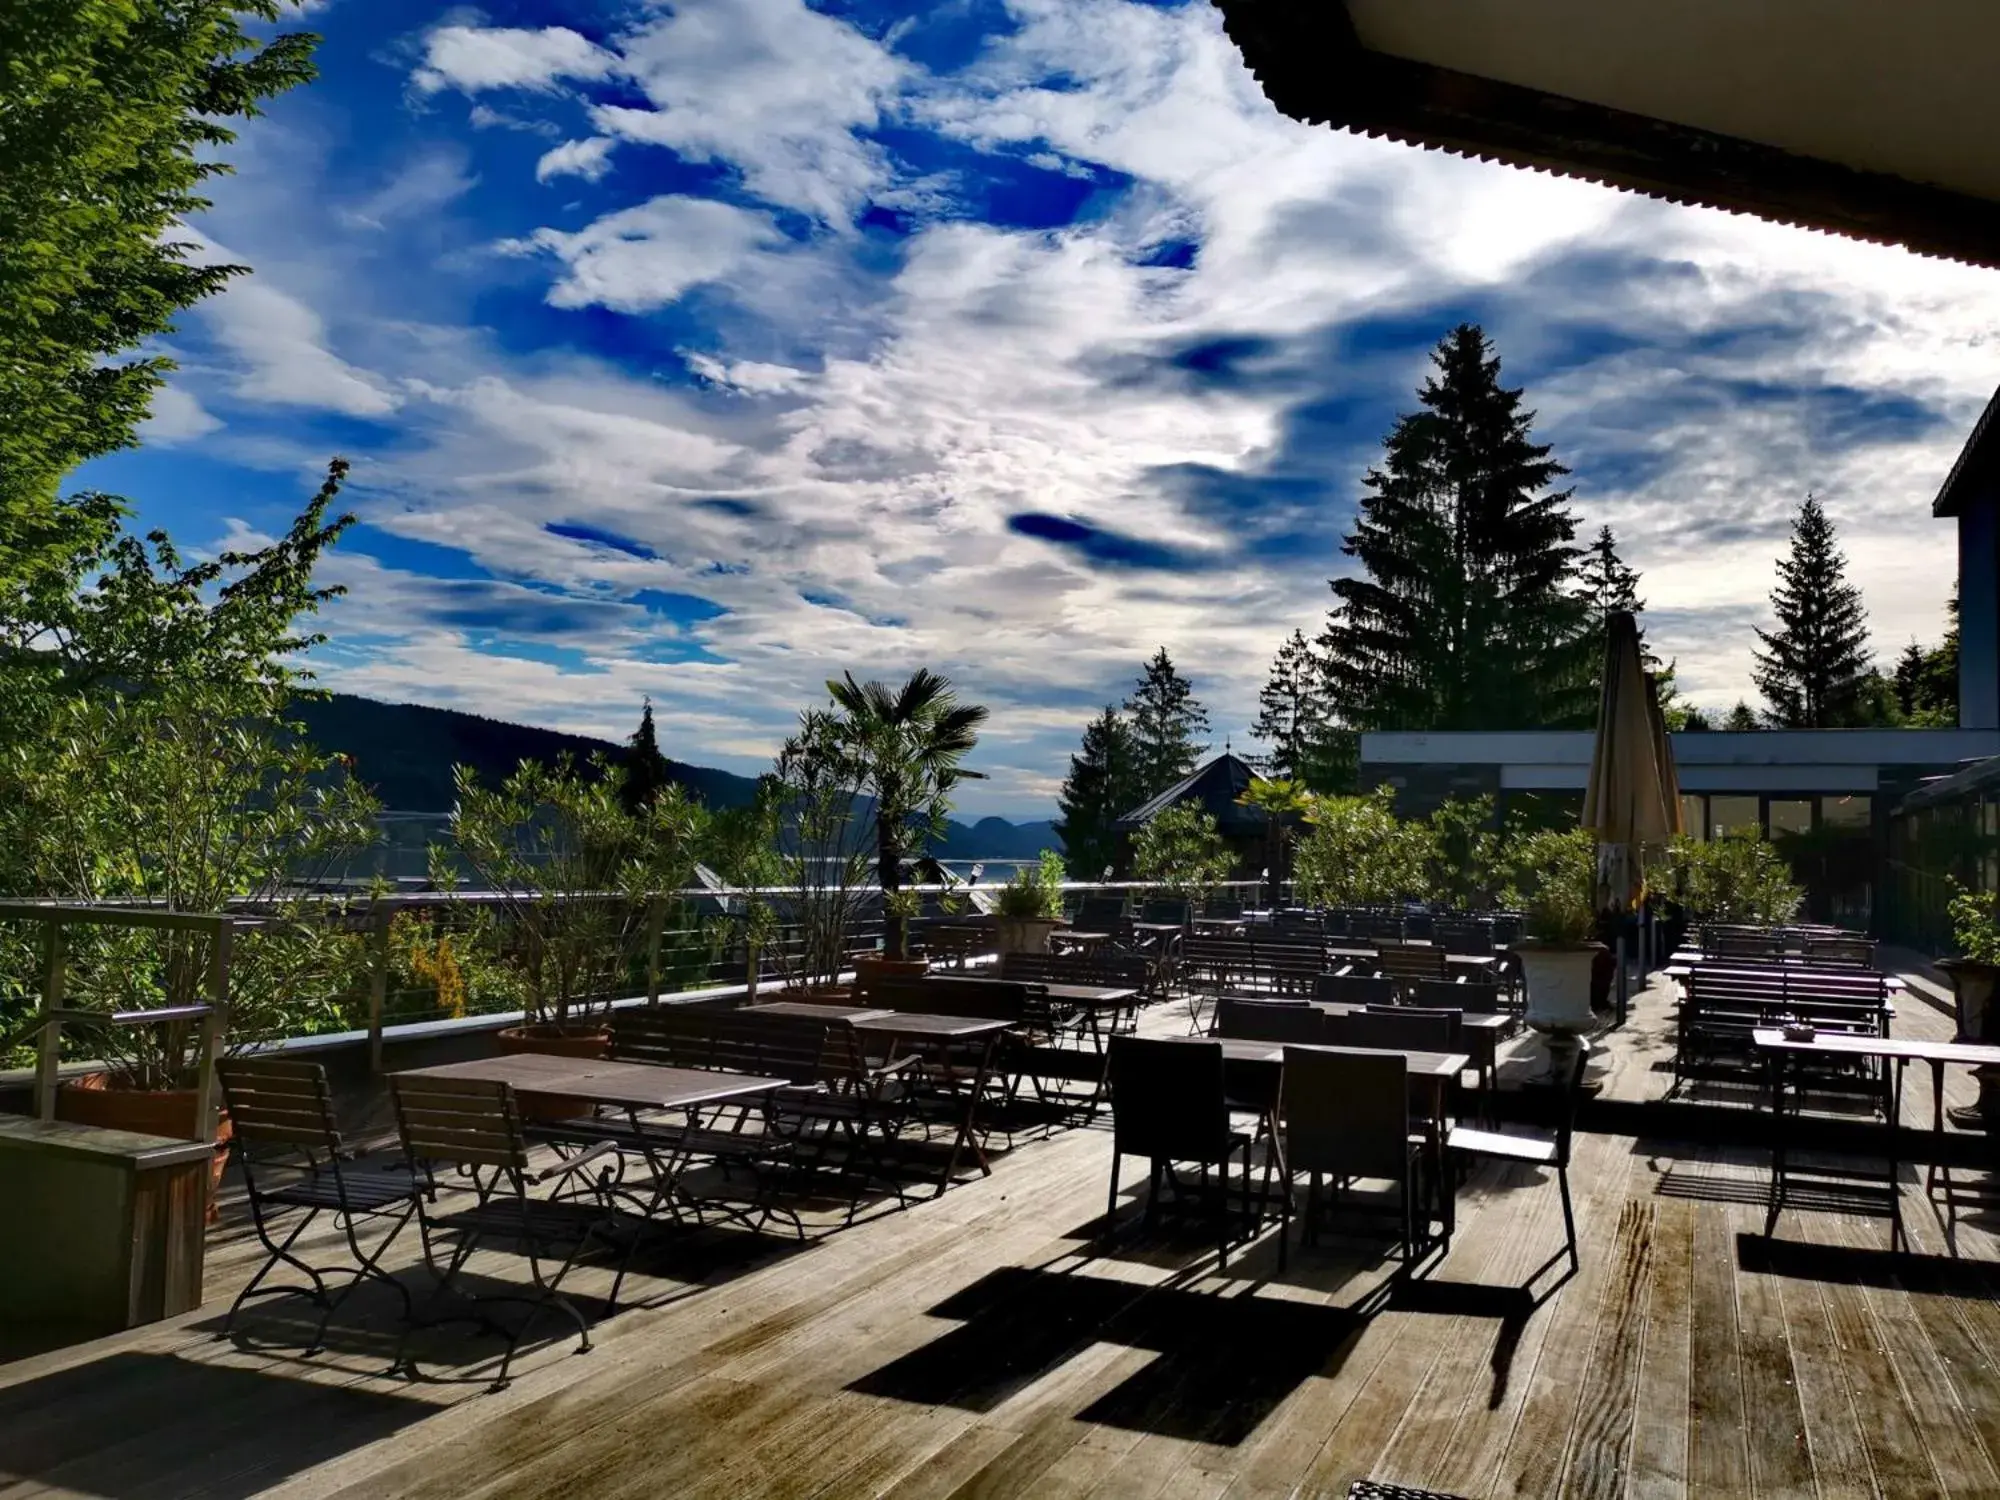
x=707 y=350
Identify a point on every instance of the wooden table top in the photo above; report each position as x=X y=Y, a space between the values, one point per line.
x=1101 y=995
x=1156 y=926
x=910 y=1023
x=1470 y=960
x=601 y=1081
x=1440 y=1065
x=1472 y=1020
x=1678 y=970
x=814 y=1011
x=1972 y=1054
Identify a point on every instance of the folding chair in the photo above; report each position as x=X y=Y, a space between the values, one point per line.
x=289 y=1148
x=1355 y=989
x=1346 y=1115
x=1297 y=1021
x=475 y=1124
x=1168 y=1104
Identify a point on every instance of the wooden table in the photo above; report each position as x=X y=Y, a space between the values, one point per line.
x=1894 y=1054
x=938 y=1034
x=1482 y=963
x=1070 y=936
x=1091 y=999
x=621 y=1085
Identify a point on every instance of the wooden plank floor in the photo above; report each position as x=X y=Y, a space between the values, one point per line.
x=979 y=1345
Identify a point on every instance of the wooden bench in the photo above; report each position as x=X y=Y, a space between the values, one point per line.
x=1721 y=1005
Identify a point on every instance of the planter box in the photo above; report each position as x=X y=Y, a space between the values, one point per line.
x=104 y=1226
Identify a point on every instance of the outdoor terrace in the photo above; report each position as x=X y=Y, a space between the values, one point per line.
x=983 y=1344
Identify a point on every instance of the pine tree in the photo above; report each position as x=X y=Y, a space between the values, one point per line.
x=1926 y=681
x=1813 y=669
x=1102 y=786
x=1608 y=583
x=1291 y=707
x=646 y=772
x=1742 y=717
x=1169 y=728
x=1467 y=614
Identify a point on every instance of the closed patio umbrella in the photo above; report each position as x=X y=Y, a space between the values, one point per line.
x=1633 y=798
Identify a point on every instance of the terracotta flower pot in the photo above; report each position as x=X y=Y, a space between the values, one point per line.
x=95 y=1100
x=554 y=1041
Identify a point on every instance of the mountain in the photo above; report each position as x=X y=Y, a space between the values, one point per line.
x=405 y=752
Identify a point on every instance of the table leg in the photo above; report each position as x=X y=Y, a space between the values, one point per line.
x=1775 y=1066
x=1897 y=1239
x=967 y=1133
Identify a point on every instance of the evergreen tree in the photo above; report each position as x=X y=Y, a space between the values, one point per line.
x=1926 y=681
x=1742 y=717
x=1608 y=583
x=1694 y=720
x=1169 y=728
x=1813 y=669
x=646 y=774
x=1102 y=786
x=113 y=114
x=1291 y=708
x=1467 y=614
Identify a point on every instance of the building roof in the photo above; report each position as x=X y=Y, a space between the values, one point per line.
x=1213 y=788
x=1977 y=463
x=1852 y=116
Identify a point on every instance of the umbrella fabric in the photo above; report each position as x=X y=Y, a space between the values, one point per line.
x=1633 y=798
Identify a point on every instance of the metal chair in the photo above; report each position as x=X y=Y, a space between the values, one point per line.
x=1539 y=1150
x=1409 y=964
x=474 y=1124
x=290 y=1150
x=1346 y=1115
x=1168 y=1104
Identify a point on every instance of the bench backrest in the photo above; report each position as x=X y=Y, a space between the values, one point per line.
x=800 y=1049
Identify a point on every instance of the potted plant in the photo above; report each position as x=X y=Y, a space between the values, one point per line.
x=575 y=874
x=1029 y=906
x=824 y=855
x=1974 y=973
x=900 y=908
x=1555 y=875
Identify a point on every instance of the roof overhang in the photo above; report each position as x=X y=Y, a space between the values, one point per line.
x=1866 y=119
x=1976 y=466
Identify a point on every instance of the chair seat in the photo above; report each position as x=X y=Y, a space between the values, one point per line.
x=365 y=1191
x=1528 y=1148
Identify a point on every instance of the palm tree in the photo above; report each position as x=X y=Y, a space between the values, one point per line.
x=1284 y=804
x=907 y=744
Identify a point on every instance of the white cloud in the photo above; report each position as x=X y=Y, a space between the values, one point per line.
x=176 y=417
x=420 y=186
x=646 y=256
x=771 y=87
x=474 y=58
x=589 y=159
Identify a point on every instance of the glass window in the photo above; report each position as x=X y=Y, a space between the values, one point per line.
x=1790 y=815
x=1733 y=815
x=1847 y=812
x=1694 y=815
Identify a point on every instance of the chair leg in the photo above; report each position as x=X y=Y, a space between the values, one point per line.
x=1111 y=1205
x=1569 y=1215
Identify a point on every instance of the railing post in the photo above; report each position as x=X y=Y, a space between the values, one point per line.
x=48 y=1059
x=379 y=917
x=214 y=1026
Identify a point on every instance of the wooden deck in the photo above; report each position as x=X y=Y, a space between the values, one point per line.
x=979 y=1346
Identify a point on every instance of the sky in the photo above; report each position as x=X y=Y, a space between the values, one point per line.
x=705 y=351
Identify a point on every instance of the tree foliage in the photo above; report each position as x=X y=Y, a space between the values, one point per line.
x=1466 y=614
x=1737 y=877
x=1813 y=669
x=580 y=879
x=1169 y=727
x=646 y=770
x=1925 y=683
x=1465 y=853
x=1552 y=878
x=113 y=113
x=1357 y=852
x=1181 y=848
x=1102 y=786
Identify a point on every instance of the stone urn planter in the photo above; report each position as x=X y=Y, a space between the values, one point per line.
x=1558 y=977
x=96 y=1099
x=1972 y=991
x=592 y=1040
x=1024 y=934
